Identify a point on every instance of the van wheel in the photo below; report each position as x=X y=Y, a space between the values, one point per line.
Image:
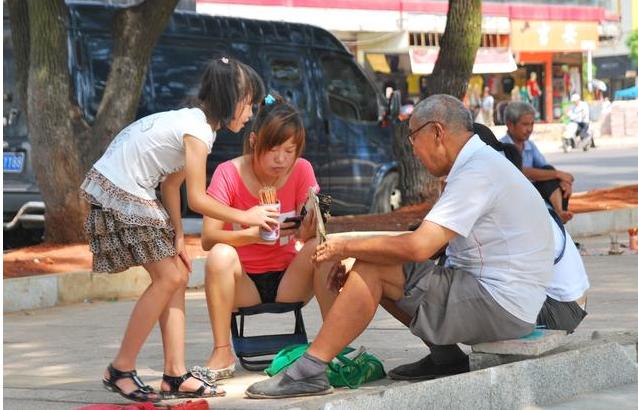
x=387 y=198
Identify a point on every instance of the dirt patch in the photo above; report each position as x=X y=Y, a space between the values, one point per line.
x=604 y=199
x=45 y=258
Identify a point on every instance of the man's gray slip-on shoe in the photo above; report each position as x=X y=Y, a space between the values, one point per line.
x=281 y=386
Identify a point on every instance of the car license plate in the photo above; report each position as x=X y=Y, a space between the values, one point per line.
x=13 y=161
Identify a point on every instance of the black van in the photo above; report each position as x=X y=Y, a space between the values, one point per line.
x=350 y=149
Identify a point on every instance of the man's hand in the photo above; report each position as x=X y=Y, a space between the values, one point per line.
x=308 y=228
x=182 y=255
x=336 y=277
x=565 y=177
x=331 y=250
x=566 y=188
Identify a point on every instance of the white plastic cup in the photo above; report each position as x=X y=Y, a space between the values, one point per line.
x=270 y=236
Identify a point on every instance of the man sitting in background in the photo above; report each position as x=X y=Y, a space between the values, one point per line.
x=555 y=186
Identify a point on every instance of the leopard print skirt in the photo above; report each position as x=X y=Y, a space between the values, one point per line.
x=117 y=246
x=120 y=240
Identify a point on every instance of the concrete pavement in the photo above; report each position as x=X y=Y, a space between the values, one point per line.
x=54 y=357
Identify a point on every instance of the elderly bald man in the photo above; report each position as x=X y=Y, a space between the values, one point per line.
x=492 y=287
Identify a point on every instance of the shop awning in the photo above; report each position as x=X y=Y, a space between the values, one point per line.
x=488 y=60
x=378 y=63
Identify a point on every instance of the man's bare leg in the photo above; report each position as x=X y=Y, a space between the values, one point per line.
x=365 y=286
x=556 y=199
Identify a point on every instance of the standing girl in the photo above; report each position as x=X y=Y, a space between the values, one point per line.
x=128 y=226
x=242 y=269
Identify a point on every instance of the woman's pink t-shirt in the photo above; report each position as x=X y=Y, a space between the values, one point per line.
x=227 y=187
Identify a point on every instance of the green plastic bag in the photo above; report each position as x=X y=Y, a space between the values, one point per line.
x=351 y=368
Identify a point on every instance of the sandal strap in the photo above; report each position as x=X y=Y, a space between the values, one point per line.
x=202 y=389
x=116 y=374
x=176 y=381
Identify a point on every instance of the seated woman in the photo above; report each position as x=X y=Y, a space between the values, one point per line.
x=242 y=269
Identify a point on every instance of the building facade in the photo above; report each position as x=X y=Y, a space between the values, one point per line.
x=611 y=59
x=534 y=51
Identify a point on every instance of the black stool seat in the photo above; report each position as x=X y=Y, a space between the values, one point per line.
x=251 y=350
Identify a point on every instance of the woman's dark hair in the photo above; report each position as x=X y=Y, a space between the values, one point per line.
x=487 y=136
x=275 y=123
x=513 y=154
x=509 y=150
x=225 y=83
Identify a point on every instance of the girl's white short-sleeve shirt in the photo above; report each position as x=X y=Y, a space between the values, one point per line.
x=145 y=152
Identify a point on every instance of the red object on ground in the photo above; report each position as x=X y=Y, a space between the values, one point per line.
x=200 y=404
x=132 y=406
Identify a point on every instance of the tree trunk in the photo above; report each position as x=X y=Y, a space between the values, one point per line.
x=55 y=161
x=459 y=44
x=64 y=147
x=451 y=74
x=416 y=184
x=135 y=33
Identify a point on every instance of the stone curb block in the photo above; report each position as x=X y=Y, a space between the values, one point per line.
x=525 y=346
x=534 y=382
x=34 y=292
x=602 y=222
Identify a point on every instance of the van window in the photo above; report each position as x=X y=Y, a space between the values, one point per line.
x=350 y=94
x=176 y=72
x=285 y=70
x=286 y=76
x=99 y=56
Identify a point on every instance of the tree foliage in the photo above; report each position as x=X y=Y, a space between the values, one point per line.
x=64 y=145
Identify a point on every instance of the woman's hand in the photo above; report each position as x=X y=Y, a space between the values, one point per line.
x=264 y=216
x=288 y=229
x=255 y=234
x=180 y=248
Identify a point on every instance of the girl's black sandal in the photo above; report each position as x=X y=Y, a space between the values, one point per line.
x=174 y=382
x=143 y=393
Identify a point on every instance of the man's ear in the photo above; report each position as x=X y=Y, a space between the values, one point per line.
x=438 y=132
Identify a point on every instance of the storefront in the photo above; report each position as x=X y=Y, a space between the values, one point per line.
x=550 y=56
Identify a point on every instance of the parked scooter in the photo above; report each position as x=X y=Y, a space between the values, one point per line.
x=572 y=141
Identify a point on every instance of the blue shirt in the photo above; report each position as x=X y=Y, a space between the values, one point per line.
x=532 y=157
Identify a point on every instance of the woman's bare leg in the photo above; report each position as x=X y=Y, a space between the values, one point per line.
x=167 y=278
x=227 y=287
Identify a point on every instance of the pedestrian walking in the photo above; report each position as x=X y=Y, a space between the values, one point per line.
x=487 y=107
